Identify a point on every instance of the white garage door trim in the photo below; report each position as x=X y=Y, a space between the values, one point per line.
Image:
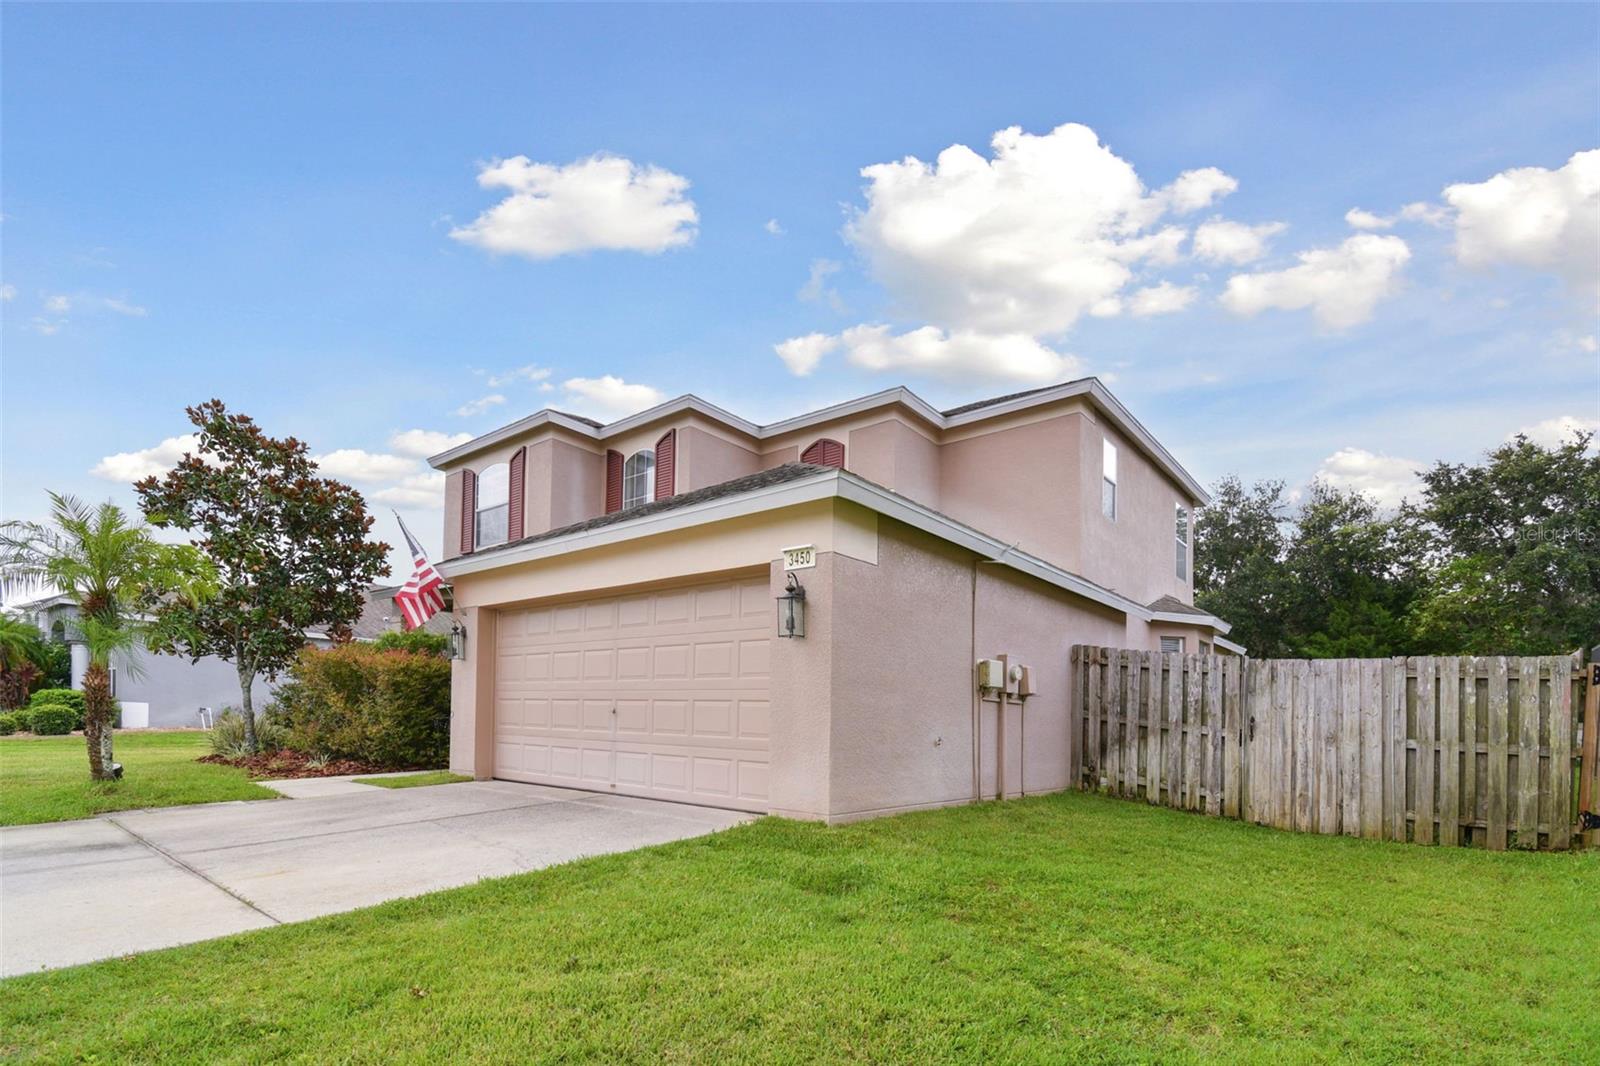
x=664 y=694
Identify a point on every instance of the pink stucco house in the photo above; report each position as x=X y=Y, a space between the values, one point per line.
x=620 y=590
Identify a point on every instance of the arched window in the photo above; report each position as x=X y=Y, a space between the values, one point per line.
x=638 y=479
x=493 y=506
x=824 y=452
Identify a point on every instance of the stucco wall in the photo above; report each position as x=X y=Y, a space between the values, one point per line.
x=175 y=688
x=904 y=729
x=1020 y=485
x=1136 y=553
x=895 y=455
x=707 y=459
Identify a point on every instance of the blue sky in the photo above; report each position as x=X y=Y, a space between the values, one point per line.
x=281 y=206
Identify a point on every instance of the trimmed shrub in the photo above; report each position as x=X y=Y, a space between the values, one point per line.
x=52 y=719
x=385 y=708
x=416 y=640
x=12 y=722
x=227 y=734
x=62 y=696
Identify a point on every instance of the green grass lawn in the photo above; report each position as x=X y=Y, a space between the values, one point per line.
x=46 y=779
x=427 y=777
x=1061 y=928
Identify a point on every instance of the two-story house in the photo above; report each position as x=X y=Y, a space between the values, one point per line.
x=628 y=592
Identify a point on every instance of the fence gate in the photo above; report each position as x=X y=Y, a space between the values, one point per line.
x=1449 y=750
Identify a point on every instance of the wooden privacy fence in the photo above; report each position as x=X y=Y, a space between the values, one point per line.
x=1449 y=750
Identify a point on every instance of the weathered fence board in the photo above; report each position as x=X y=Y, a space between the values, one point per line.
x=1450 y=750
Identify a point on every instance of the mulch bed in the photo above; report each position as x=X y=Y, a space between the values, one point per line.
x=293 y=764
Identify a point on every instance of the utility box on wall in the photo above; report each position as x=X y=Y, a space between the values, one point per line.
x=991 y=674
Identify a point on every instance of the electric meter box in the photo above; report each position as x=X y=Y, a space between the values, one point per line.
x=991 y=674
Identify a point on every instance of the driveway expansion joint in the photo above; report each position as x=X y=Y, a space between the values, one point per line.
x=180 y=864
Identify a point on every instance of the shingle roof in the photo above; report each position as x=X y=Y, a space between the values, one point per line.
x=980 y=404
x=380 y=615
x=749 y=483
x=1173 y=605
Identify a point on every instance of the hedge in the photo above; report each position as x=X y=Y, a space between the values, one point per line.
x=12 y=722
x=65 y=696
x=386 y=708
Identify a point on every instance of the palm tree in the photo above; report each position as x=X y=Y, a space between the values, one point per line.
x=114 y=571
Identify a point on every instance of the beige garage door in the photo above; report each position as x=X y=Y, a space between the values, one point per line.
x=663 y=694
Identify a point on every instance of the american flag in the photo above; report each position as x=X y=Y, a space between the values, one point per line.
x=420 y=598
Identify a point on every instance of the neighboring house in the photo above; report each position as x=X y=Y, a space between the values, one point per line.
x=156 y=691
x=618 y=585
x=380 y=616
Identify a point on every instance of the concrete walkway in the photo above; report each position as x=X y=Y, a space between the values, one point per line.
x=73 y=892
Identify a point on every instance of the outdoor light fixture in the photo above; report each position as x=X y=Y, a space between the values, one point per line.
x=458 y=640
x=792 y=610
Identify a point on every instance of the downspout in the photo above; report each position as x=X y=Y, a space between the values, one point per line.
x=977 y=695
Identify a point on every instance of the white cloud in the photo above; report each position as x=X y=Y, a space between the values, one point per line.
x=959 y=355
x=1221 y=241
x=421 y=443
x=1385 y=478
x=355 y=464
x=58 y=305
x=816 y=286
x=131 y=466
x=8 y=292
x=521 y=373
x=1195 y=189
x=480 y=405
x=1024 y=242
x=416 y=490
x=1360 y=219
x=602 y=202
x=773 y=227
x=609 y=396
x=1554 y=431
x=1534 y=217
x=1431 y=214
x=1340 y=285
x=45 y=327
x=123 y=307
x=1163 y=299
x=1588 y=343
x=802 y=354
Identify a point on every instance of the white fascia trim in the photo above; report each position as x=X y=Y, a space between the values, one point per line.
x=1186 y=619
x=1119 y=415
x=831 y=483
x=1237 y=649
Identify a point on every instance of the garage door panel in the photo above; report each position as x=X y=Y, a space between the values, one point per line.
x=663 y=694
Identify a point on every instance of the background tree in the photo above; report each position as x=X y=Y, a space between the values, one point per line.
x=21 y=649
x=1238 y=563
x=1349 y=580
x=112 y=569
x=1511 y=550
x=289 y=547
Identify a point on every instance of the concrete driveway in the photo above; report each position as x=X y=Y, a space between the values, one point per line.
x=73 y=892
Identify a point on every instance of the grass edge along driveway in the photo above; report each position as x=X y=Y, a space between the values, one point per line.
x=1067 y=927
x=46 y=779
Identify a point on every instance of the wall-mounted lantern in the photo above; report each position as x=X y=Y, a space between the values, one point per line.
x=792 y=610
x=458 y=640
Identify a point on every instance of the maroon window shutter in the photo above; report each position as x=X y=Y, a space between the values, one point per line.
x=469 y=511
x=824 y=452
x=514 y=509
x=613 y=482
x=666 y=463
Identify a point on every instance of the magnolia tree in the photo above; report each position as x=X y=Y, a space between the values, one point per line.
x=290 y=548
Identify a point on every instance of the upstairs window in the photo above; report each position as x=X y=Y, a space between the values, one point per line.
x=1172 y=644
x=1183 y=542
x=638 y=479
x=490 y=520
x=1108 y=480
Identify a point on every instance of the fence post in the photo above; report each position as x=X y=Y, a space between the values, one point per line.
x=1589 y=771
